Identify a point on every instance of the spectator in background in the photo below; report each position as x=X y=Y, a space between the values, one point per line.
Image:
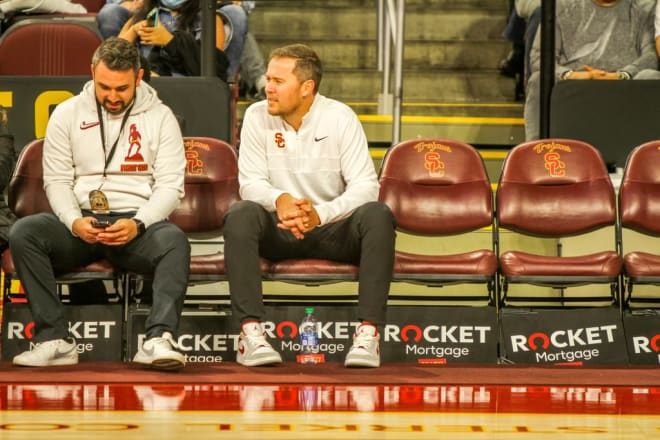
x=114 y=14
x=309 y=190
x=253 y=71
x=253 y=68
x=595 y=40
x=168 y=34
x=530 y=11
x=520 y=30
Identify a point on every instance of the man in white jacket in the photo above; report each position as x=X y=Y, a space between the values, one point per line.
x=309 y=190
x=114 y=153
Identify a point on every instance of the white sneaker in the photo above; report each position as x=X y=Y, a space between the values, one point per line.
x=160 y=353
x=49 y=353
x=365 y=351
x=253 y=349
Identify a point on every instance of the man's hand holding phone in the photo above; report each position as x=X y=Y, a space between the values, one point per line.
x=100 y=224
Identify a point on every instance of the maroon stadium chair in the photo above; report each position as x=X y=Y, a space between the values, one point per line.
x=548 y=190
x=211 y=187
x=55 y=47
x=440 y=188
x=26 y=196
x=639 y=209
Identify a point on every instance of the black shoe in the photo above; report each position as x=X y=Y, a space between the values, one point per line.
x=513 y=64
x=520 y=88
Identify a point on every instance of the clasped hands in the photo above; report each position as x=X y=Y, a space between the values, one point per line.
x=119 y=233
x=296 y=215
x=590 y=72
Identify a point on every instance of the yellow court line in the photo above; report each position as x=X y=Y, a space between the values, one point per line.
x=444 y=120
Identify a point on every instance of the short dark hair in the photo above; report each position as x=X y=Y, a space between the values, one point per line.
x=117 y=54
x=308 y=64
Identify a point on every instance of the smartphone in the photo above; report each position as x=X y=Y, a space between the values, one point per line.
x=101 y=224
x=152 y=17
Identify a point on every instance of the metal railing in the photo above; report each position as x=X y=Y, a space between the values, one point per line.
x=390 y=18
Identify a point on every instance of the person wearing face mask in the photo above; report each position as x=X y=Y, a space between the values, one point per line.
x=595 y=40
x=168 y=33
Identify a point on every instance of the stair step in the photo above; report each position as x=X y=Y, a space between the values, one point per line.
x=362 y=54
x=360 y=23
x=421 y=86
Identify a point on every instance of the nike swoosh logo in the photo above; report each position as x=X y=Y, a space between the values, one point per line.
x=59 y=353
x=85 y=125
x=319 y=139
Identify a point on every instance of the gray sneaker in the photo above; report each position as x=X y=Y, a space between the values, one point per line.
x=49 y=353
x=160 y=353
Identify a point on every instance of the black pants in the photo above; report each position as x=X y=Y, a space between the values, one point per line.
x=365 y=238
x=42 y=247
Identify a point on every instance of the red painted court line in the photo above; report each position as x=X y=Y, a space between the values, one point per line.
x=491 y=399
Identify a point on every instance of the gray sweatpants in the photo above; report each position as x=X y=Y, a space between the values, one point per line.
x=42 y=247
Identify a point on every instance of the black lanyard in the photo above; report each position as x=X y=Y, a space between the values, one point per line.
x=121 y=128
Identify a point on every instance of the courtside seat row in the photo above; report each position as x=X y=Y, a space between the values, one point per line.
x=548 y=189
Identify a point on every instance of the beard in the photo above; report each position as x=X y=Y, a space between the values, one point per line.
x=114 y=108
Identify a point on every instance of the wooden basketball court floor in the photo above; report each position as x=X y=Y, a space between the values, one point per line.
x=329 y=402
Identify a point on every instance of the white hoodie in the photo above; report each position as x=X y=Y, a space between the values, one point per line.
x=150 y=182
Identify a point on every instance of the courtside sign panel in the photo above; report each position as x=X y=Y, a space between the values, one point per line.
x=642 y=329
x=97 y=329
x=423 y=335
x=563 y=336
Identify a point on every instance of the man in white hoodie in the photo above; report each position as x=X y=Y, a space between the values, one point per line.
x=113 y=153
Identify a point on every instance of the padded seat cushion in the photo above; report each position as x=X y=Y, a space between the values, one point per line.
x=600 y=264
x=479 y=262
x=641 y=264
x=214 y=265
x=313 y=266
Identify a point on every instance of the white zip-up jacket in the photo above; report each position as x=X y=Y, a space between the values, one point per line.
x=326 y=161
x=145 y=174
